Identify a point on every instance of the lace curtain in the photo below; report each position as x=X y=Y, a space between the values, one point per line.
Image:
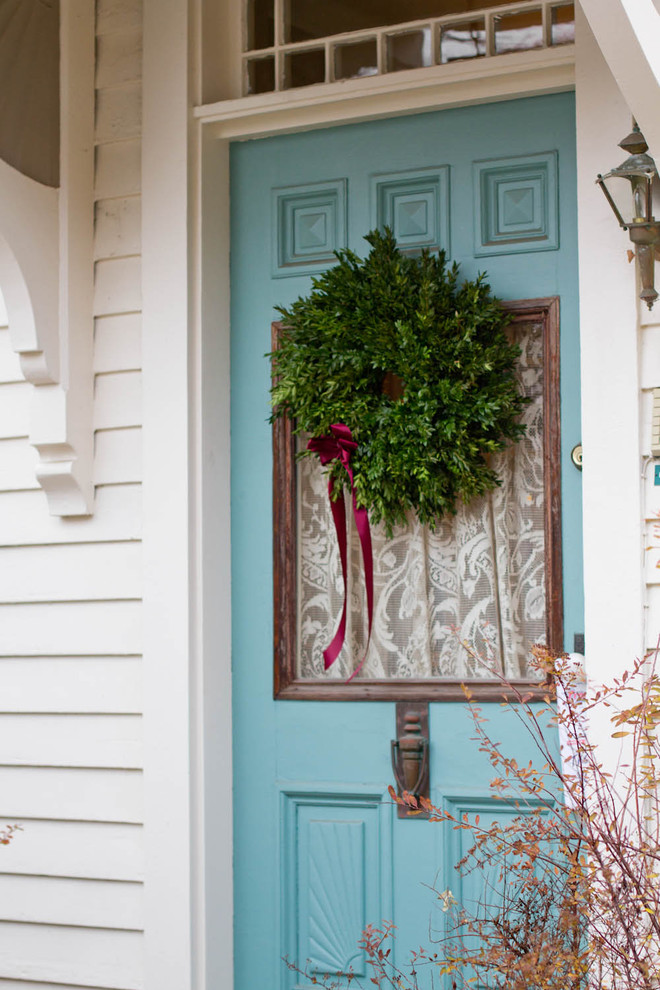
x=462 y=601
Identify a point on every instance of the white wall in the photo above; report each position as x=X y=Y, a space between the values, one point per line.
x=70 y=614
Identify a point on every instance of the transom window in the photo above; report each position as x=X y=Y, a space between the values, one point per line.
x=293 y=43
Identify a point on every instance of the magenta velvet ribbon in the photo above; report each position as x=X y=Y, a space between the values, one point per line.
x=339 y=445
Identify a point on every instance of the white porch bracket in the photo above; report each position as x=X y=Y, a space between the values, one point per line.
x=47 y=279
x=628 y=34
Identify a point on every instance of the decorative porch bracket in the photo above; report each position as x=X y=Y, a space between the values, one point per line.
x=47 y=280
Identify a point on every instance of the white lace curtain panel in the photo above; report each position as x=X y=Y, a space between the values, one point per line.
x=463 y=601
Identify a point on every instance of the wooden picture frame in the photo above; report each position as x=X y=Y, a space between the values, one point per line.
x=286 y=683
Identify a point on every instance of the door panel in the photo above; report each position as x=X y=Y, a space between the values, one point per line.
x=319 y=852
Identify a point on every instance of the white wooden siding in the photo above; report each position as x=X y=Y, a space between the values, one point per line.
x=70 y=573
x=83 y=850
x=70 y=629
x=18 y=461
x=117 y=343
x=24 y=520
x=71 y=795
x=118 y=400
x=118 y=286
x=649 y=373
x=70 y=614
x=117 y=226
x=118 y=169
x=10 y=367
x=117 y=456
x=112 y=741
x=65 y=901
x=96 y=685
x=82 y=957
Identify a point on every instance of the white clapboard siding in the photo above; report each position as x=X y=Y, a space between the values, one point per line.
x=118 y=343
x=82 y=957
x=646 y=409
x=118 y=400
x=118 y=169
x=82 y=572
x=64 y=901
x=71 y=795
x=118 y=15
x=71 y=684
x=650 y=357
x=91 y=850
x=118 y=456
x=10 y=366
x=82 y=628
x=32 y=985
x=112 y=741
x=651 y=498
x=653 y=565
x=117 y=286
x=117 y=229
x=118 y=113
x=118 y=58
x=14 y=409
x=18 y=461
x=24 y=518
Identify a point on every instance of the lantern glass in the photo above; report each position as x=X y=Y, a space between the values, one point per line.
x=641 y=190
x=618 y=192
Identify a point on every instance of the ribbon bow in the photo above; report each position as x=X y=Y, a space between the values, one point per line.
x=339 y=445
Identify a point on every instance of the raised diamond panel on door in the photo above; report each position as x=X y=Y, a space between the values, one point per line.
x=516 y=205
x=415 y=205
x=309 y=225
x=336 y=879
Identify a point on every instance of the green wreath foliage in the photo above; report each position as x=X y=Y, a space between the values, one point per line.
x=391 y=314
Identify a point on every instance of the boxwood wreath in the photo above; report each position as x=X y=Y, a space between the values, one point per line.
x=418 y=366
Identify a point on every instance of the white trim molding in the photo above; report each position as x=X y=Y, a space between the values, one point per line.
x=46 y=276
x=506 y=77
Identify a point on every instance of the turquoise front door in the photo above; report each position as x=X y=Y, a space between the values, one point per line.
x=319 y=850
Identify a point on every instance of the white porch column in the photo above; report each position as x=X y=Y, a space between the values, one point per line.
x=613 y=528
x=166 y=505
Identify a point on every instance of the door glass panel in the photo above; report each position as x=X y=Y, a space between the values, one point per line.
x=562 y=24
x=260 y=24
x=261 y=75
x=360 y=58
x=465 y=602
x=311 y=19
x=305 y=68
x=409 y=50
x=478 y=579
x=464 y=39
x=518 y=32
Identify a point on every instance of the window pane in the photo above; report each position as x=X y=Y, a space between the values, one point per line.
x=260 y=24
x=261 y=75
x=358 y=59
x=410 y=50
x=435 y=590
x=518 y=32
x=563 y=24
x=319 y=18
x=466 y=39
x=304 y=68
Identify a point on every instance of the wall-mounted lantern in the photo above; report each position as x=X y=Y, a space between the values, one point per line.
x=633 y=205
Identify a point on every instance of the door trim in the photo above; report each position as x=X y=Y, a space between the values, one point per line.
x=505 y=77
x=286 y=683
